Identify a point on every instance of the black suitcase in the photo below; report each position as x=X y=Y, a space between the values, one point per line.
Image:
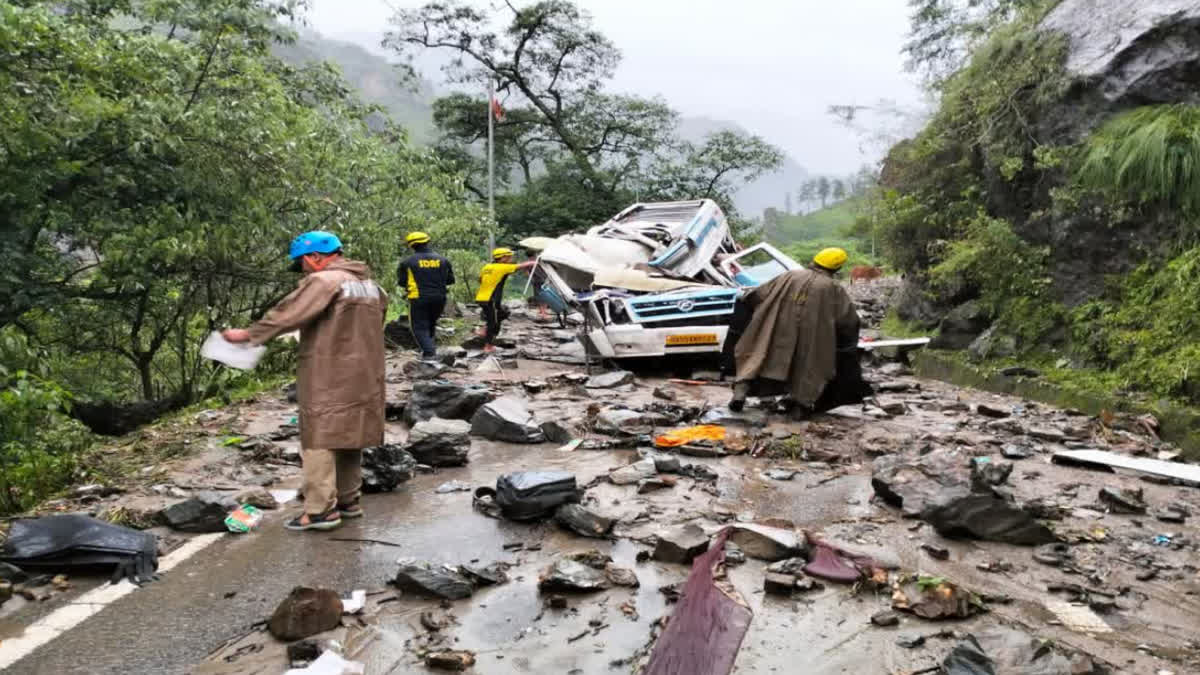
x=529 y=495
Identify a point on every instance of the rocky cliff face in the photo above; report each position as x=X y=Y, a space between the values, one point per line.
x=1120 y=55
x=1132 y=52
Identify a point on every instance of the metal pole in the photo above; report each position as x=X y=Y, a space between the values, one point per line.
x=491 y=163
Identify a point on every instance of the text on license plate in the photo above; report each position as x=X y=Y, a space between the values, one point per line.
x=691 y=339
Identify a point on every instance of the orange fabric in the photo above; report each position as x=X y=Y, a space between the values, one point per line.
x=706 y=432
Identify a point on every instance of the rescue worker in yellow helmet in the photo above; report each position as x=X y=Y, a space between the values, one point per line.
x=799 y=322
x=491 y=292
x=427 y=276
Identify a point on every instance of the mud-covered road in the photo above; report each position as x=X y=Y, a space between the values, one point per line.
x=1126 y=598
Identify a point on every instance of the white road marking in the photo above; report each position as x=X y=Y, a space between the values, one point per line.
x=65 y=618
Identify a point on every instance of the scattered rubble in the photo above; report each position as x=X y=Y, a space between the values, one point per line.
x=446 y=400
x=425 y=578
x=939 y=489
x=424 y=370
x=557 y=431
x=457 y=660
x=584 y=572
x=633 y=473
x=986 y=517
x=385 y=467
x=304 y=612
x=259 y=498
x=1123 y=501
x=440 y=442
x=204 y=512
x=648 y=485
x=885 y=619
x=766 y=542
x=583 y=522
x=681 y=545
x=609 y=380
x=1001 y=649
x=934 y=598
x=506 y=419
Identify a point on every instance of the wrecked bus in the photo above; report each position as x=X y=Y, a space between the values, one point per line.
x=657 y=279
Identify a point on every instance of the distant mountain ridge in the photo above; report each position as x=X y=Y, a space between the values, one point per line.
x=377 y=80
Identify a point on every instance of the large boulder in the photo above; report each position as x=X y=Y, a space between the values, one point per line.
x=447 y=400
x=992 y=345
x=961 y=326
x=913 y=483
x=507 y=419
x=913 y=305
x=941 y=489
x=1132 y=53
x=439 y=442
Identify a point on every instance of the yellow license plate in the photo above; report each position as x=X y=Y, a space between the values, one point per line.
x=691 y=340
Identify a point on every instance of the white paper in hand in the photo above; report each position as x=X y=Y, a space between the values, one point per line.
x=244 y=356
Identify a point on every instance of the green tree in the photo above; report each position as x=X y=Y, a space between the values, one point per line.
x=550 y=67
x=824 y=186
x=943 y=33
x=158 y=161
x=838 y=189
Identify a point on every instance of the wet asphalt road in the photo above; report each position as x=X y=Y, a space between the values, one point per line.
x=172 y=625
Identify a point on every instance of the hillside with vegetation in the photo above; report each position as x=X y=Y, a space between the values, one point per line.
x=157 y=160
x=1052 y=198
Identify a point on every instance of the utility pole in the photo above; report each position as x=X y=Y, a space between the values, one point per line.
x=491 y=114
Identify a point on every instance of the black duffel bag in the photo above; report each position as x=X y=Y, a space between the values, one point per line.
x=528 y=495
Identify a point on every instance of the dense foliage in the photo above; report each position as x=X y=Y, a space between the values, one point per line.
x=568 y=154
x=993 y=202
x=157 y=159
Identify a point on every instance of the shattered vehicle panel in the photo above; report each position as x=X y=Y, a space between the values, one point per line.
x=657 y=279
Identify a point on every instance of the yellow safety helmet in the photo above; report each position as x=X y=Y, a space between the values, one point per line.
x=416 y=238
x=498 y=253
x=831 y=258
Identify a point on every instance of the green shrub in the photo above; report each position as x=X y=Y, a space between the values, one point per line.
x=1151 y=154
x=38 y=441
x=1146 y=328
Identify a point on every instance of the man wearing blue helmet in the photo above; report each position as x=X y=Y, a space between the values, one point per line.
x=339 y=311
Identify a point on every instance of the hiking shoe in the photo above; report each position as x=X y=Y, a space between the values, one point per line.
x=353 y=510
x=737 y=405
x=322 y=521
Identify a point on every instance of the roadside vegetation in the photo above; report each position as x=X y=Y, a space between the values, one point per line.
x=159 y=156
x=990 y=202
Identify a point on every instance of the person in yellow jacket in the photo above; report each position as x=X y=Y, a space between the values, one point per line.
x=491 y=292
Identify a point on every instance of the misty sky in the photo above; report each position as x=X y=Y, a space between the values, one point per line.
x=772 y=66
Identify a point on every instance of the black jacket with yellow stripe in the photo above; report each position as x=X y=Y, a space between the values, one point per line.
x=426 y=275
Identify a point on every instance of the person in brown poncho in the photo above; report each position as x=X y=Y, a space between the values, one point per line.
x=799 y=322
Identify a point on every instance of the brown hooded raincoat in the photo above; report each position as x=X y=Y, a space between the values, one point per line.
x=340 y=380
x=799 y=319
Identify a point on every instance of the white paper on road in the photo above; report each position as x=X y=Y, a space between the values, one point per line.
x=329 y=664
x=240 y=356
x=355 y=603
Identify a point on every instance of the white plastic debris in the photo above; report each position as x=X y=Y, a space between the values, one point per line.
x=356 y=602
x=330 y=663
x=243 y=356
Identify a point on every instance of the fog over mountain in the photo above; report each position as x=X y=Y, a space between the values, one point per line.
x=771 y=70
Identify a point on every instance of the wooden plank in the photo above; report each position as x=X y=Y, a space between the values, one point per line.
x=1189 y=473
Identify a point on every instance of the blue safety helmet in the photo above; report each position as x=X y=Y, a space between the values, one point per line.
x=314 y=242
